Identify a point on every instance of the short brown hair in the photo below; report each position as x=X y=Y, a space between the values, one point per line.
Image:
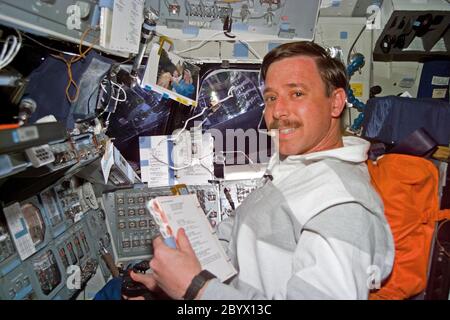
x=332 y=71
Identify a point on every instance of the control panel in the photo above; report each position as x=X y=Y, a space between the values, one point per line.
x=132 y=228
x=51 y=244
x=277 y=18
x=63 y=19
x=130 y=223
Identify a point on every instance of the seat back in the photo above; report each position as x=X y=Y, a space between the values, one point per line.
x=408 y=186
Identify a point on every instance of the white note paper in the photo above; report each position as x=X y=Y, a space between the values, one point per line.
x=128 y=16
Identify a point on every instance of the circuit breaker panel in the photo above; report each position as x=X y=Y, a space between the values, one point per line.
x=54 y=243
x=280 y=18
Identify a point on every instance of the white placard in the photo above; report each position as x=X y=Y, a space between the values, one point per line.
x=154 y=154
x=107 y=160
x=439 y=93
x=19 y=231
x=127 y=19
x=440 y=81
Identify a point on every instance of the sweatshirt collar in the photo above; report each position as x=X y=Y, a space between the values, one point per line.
x=354 y=150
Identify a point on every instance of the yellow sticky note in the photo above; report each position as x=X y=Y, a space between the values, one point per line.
x=357 y=89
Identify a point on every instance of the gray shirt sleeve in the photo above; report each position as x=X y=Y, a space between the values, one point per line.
x=330 y=261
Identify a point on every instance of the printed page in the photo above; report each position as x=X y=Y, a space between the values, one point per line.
x=19 y=230
x=128 y=16
x=156 y=156
x=185 y=212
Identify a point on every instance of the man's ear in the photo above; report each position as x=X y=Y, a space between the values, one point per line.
x=339 y=98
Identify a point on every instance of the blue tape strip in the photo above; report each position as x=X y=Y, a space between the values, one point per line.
x=170 y=242
x=336 y=3
x=58 y=230
x=5 y=164
x=239 y=26
x=10 y=267
x=23 y=292
x=240 y=50
x=149 y=27
x=191 y=30
x=15 y=136
x=24 y=230
x=284 y=26
x=145 y=142
x=272 y=45
x=106 y=4
x=165 y=96
x=171 y=171
x=95 y=20
x=145 y=163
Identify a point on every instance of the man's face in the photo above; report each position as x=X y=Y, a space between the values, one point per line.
x=297 y=105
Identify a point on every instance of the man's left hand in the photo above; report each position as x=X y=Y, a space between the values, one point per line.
x=174 y=269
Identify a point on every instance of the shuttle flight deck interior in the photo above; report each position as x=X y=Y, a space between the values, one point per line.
x=110 y=109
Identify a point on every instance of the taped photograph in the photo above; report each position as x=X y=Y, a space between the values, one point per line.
x=170 y=74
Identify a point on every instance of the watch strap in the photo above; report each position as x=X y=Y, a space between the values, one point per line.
x=197 y=284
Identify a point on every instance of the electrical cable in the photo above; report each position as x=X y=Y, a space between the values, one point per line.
x=201 y=44
x=72 y=60
x=353 y=44
x=47 y=47
x=105 y=104
x=229 y=95
x=251 y=49
x=121 y=90
x=9 y=52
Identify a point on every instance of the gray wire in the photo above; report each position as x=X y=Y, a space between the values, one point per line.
x=47 y=47
x=353 y=44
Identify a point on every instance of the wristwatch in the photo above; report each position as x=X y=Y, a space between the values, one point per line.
x=197 y=283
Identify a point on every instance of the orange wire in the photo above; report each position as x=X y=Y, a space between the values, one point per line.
x=72 y=60
x=9 y=126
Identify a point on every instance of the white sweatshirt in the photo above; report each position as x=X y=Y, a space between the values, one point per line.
x=317 y=231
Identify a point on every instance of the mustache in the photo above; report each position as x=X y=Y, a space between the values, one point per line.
x=276 y=124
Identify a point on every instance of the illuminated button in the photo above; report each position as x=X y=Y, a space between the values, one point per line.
x=19 y=284
x=122 y=225
x=141 y=199
x=131 y=212
x=120 y=201
x=121 y=212
x=141 y=212
x=132 y=224
x=130 y=200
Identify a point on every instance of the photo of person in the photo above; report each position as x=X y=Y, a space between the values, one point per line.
x=176 y=76
x=165 y=80
x=184 y=86
x=172 y=75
